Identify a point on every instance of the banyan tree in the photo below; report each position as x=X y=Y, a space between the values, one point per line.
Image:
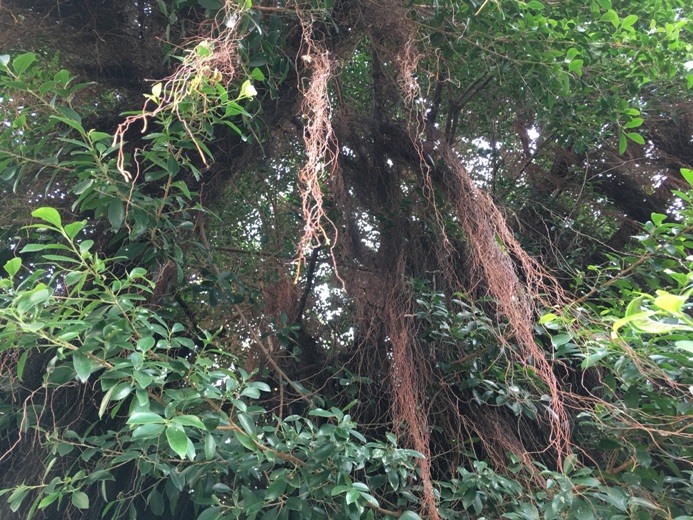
x=345 y=259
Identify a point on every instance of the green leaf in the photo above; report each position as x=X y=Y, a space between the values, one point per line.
x=628 y=21
x=32 y=299
x=70 y=114
x=105 y=400
x=576 y=66
x=688 y=175
x=638 y=501
x=82 y=366
x=548 y=318
x=670 y=302
x=636 y=138
x=246 y=441
x=593 y=359
x=177 y=440
x=319 y=412
x=12 y=266
x=634 y=123
x=21 y=364
x=172 y=165
x=145 y=418
x=69 y=122
x=48 y=500
x=622 y=143
x=189 y=420
x=142 y=379
x=210 y=447
x=156 y=90
x=213 y=513
x=352 y=496
x=156 y=503
x=17 y=497
x=658 y=218
x=82 y=186
x=147 y=431
x=610 y=16
x=247 y=423
x=257 y=74
x=146 y=343
x=116 y=213
x=641 y=321
x=569 y=464
x=220 y=487
x=23 y=62
x=49 y=215
x=585 y=481
x=582 y=510
x=73 y=228
x=80 y=500
x=33 y=248
x=560 y=339
x=121 y=391
x=276 y=489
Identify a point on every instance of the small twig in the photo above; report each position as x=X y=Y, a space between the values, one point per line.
x=613 y=280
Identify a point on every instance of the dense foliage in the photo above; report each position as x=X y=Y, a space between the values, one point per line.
x=346 y=259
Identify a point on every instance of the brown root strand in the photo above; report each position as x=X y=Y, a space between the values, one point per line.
x=320 y=144
x=408 y=383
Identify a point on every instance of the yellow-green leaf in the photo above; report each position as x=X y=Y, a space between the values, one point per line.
x=49 y=215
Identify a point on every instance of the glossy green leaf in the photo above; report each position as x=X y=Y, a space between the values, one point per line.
x=80 y=500
x=629 y=21
x=12 y=266
x=116 y=213
x=189 y=420
x=622 y=143
x=177 y=440
x=147 y=431
x=49 y=215
x=275 y=490
x=212 y=513
x=210 y=446
x=22 y=62
x=672 y=303
x=145 y=418
x=636 y=138
x=82 y=366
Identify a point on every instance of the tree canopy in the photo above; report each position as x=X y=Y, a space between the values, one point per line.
x=346 y=259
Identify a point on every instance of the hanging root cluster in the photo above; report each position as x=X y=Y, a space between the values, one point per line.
x=409 y=381
x=321 y=147
x=495 y=255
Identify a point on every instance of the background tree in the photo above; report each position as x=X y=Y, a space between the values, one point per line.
x=303 y=276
